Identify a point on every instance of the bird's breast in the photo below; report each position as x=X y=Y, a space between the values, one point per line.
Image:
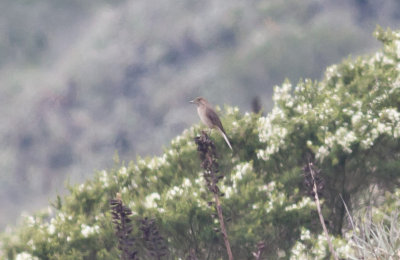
x=201 y=110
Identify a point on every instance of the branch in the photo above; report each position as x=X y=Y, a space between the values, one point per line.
x=123 y=228
x=154 y=242
x=207 y=152
x=317 y=185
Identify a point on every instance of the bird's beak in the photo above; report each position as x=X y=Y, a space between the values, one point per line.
x=191 y=101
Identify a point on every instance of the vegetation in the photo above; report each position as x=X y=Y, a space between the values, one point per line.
x=349 y=123
x=83 y=79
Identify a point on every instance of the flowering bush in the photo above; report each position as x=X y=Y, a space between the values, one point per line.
x=349 y=122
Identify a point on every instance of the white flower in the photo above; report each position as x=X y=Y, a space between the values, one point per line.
x=303 y=108
x=299 y=251
x=241 y=169
x=275 y=199
x=31 y=244
x=387 y=61
x=357 y=104
x=331 y=71
x=247 y=118
x=271 y=132
x=25 y=256
x=51 y=229
x=305 y=202
x=397 y=43
x=235 y=125
x=269 y=187
x=104 y=178
x=356 y=118
x=61 y=216
x=343 y=137
x=366 y=143
x=305 y=234
x=156 y=162
x=123 y=171
x=81 y=187
x=174 y=191
x=88 y=230
x=378 y=56
x=391 y=113
x=227 y=191
x=124 y=190
x=134 y=184
x=230 y=110
x=186 y=183
x=149 y=201
x=30 y=221
x=322 y=152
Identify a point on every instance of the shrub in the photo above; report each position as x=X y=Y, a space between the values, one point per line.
x=348 y=122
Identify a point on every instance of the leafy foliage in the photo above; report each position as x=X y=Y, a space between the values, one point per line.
x=82 y=79
x=349 y=121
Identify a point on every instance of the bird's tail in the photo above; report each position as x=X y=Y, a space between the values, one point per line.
x=225 y=137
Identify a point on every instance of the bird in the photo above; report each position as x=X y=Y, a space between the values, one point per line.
x=209 y=117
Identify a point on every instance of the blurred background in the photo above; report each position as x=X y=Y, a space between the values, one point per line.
x=81 y=80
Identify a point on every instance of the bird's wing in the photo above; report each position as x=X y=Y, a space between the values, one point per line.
x=214 y=118
x=216 y=122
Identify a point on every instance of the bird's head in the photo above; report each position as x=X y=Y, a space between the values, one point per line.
x=199 y=101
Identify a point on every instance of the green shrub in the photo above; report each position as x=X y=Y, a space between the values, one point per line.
x=349 y=122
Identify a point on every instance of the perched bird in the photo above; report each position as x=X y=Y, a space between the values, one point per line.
x=209 y=117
